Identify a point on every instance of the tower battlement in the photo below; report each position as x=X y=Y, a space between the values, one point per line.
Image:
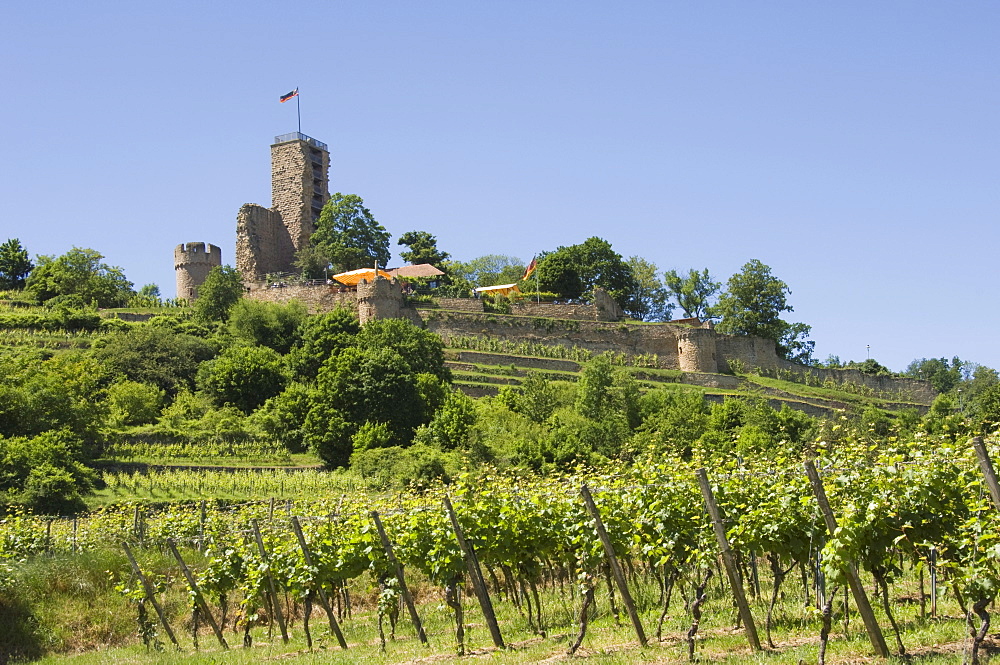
x=192 y=263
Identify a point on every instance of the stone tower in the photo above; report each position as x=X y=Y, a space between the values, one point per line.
x=379 y=299
x=267 y=238
x=300 y=183
x=192 y=263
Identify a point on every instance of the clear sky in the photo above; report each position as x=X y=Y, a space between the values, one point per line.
x=851 y=146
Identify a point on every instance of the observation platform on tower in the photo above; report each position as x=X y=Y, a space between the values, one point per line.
x=299 y=136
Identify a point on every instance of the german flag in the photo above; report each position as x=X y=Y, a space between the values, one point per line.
x=530 y=269
x=285 y=98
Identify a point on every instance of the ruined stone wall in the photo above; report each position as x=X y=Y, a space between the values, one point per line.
x=192 y=263
x=749 y=351
x=262 y=243
x=607 y=308
x=460 y=304
x=554 y=311
x=316 y=297
x=595 y=336
x=916 y=390
x=603 y=308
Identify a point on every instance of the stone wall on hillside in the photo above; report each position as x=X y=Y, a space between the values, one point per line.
x=603 y=308
x=916 y=390
x=700 y=351
x=460 y=304
x=316 y=297
x=595 y=336
x=576 y=312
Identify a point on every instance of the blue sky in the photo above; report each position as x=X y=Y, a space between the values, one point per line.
x=851 y=146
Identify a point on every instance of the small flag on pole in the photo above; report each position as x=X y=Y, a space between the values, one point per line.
x=285 y=98
x=530 y=269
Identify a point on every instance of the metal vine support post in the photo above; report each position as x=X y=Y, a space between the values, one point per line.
x=857 y=589
x=727 y=556
x=198 y=597
x=476 y=575
x=334 y=626
x=410 y=607
x=616 y=569
x=150 y=594
x=270 y=581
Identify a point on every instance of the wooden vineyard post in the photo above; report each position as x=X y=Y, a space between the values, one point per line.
x=270 y=582
x=201 y=527
x=334 y=626
x=727 y=557
x=857 y=589
x=616 y=569
x=198 y=597
x=476 y=575
x=150 y=594
x=986 y=466
x=410 y=607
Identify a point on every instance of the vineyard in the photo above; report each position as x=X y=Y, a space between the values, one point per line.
x=916 y=542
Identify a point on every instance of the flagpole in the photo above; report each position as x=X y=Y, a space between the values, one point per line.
x=538 y=293
x=298 y=108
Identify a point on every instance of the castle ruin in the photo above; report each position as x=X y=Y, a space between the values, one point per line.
x=267 y=238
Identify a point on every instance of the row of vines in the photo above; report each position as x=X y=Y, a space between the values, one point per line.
x=899 y=507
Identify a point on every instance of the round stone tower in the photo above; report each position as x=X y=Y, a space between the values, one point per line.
x=696 y=350
x=192 y=263
x=379 y=299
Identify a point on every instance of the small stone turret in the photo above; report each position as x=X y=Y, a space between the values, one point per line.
x=192 y=263
x=696 y=350
x=379 y=299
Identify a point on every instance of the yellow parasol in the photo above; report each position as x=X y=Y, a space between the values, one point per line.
x=352 y=277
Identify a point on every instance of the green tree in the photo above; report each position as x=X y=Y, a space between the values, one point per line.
x=421 y=350
x=349 y=235
x=147 y=296
x=39 y=394
x=244 y=376
x=983 y=377
x=488 y=270
x=221 y=289
x=869 y=366
x=672 y=421
x=358 y=386
x=79 y=272
x=422 y=248
x=14 y=265
x=650 y=297
x=321 y=337
x=268 y=324
x=986 y=408
x=132 y=403
x=154 y=355
x=452 y=423
x=45 y=473
x=312 y=262
x=283 y=416
x=693 y=293
x=752 y=305
x=534 y=398
x=605 y=392
x=944 y=376
x=576 y=270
